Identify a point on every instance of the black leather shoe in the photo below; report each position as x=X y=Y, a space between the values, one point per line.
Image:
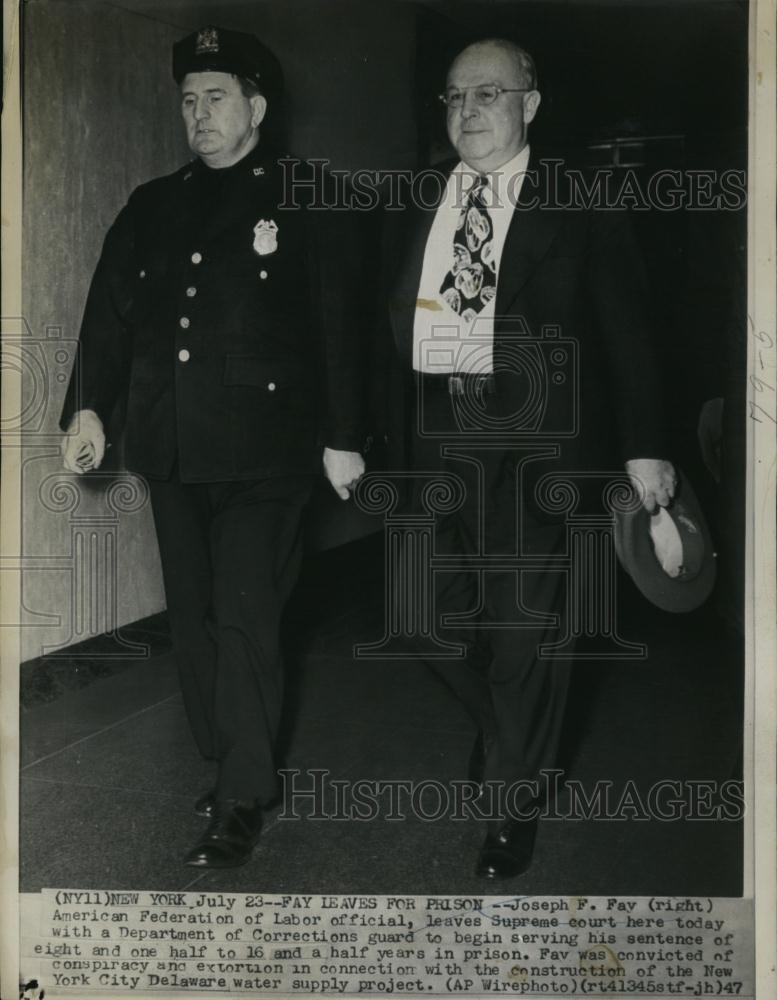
x=205 y=804
x=509 y=852
x=230 y=836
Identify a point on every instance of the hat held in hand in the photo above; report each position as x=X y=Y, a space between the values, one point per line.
x=668 y=554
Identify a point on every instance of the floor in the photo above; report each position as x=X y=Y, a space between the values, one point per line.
x=110 y=773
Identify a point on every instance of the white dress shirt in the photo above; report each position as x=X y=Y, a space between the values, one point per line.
x=442 y=341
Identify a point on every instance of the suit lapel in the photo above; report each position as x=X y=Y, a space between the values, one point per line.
x=529 y=236
x=408 y=277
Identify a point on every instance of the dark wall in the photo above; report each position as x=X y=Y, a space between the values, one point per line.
x=611 y=67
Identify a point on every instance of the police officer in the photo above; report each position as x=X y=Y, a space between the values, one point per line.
x=230 y=322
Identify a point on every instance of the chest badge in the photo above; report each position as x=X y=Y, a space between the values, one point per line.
x=265 y=237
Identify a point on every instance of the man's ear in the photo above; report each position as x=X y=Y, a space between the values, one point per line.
x=531 y=103
x=258 y=110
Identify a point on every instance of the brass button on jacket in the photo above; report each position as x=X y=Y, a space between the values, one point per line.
x=278 y=372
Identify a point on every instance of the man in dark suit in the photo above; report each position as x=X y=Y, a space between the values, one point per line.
x=231 y=324
x=499 y=287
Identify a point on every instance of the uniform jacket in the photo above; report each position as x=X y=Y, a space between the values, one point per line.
x=569 y=278
x=237 y=363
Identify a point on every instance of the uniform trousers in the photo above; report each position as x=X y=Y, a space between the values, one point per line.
x=513 y=694
x=230 y=557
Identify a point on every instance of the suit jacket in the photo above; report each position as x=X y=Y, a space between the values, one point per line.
x=570 y=278
x=239 y=352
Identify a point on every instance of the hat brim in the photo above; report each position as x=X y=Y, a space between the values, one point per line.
x=634 y=547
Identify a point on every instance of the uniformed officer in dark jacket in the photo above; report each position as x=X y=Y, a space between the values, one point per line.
x=231 y=324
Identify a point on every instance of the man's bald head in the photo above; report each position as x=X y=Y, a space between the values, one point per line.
x=524 y=70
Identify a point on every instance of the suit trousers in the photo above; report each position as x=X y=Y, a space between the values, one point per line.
x=230 y=557
x=514 y=694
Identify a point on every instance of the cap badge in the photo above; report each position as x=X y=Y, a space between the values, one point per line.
x=207 y=41
x=265 y=237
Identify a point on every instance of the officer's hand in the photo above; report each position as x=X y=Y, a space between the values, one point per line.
x=343 y=469
x=83 y=445
x=654 y=479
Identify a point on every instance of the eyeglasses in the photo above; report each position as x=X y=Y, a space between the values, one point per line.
x=485 y=94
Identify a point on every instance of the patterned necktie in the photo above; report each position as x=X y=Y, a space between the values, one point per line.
x=471 y=282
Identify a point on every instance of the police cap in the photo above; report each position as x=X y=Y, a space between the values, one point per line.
x=223 y=51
